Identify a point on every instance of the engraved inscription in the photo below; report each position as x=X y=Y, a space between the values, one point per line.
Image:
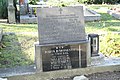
x=60 y=57
x=63 y=25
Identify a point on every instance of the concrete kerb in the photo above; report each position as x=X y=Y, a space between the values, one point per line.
x=65 y=73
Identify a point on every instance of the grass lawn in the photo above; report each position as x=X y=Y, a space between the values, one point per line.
x=107 y=22
x=19 y=38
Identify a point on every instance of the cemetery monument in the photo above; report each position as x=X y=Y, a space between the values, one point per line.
x=11 y=12
x=62 y=39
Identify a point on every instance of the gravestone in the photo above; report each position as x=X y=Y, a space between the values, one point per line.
x=11 y=12
x=62 y=40
x=24 y=7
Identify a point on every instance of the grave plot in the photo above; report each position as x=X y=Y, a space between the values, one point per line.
x=115 y=12
x=91 y=15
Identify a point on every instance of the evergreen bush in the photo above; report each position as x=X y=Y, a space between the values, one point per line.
x=99 y=1
x=3 y=8
x=110 y=45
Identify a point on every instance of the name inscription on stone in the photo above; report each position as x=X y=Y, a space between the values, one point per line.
x=58 y=25
x=60 y=57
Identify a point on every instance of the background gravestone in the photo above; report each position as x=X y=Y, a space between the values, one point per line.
x=11 y=12
x=62 y=40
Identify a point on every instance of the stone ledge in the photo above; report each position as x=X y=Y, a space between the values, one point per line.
x=1 y=33
x=15 y=71
x=3 y=21
x=65 y=73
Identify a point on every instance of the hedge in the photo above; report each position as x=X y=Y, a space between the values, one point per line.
x=3 y=8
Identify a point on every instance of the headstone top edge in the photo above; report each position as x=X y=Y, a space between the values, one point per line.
x=60 y=7
x=70 y=15
x=62 y=43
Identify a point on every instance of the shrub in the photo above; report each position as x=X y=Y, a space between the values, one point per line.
x=3 y=8
x=32 y=2
x=62 y=3
x=110 y=45
x=82 y=1
x=99 y=1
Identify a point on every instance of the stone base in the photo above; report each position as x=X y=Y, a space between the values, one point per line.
x=97 y=60
x=26 y=19
x=76 y=55
x=1 y=33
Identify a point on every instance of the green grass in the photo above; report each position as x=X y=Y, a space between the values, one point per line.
x=19 y=27
x=107 y=22
x=19 y=38
x=19 y=41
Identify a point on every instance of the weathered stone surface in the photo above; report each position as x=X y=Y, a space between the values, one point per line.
x=58 y=25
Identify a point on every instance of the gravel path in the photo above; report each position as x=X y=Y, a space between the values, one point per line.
x=105 y=76
x=99 y=76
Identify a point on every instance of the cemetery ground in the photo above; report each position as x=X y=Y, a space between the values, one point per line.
x=19 y=39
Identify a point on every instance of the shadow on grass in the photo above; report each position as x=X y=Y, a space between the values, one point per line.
x=20 y=27
x=106 y=17
x=12 y=55
x=107 y=23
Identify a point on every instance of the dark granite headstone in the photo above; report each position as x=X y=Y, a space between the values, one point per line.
x=57 y=25
x=63 y=56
